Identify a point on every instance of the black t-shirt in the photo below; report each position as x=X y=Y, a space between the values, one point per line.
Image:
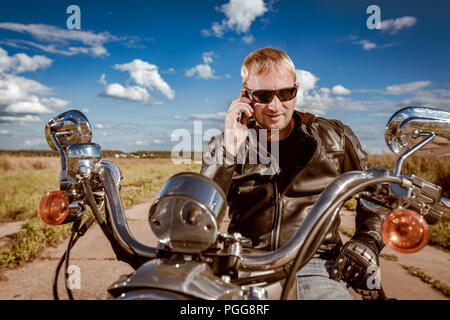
x=295 y=152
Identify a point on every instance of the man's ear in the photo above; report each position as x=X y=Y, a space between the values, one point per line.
x=297 y=85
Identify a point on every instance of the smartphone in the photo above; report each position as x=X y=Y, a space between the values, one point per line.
x=241 y=114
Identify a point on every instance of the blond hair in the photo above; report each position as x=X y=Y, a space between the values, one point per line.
x=265 y=60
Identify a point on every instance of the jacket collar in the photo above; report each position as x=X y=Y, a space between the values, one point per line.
x=306 y=117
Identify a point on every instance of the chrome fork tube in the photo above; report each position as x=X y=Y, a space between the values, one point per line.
x=63 y=173
x=117 y=216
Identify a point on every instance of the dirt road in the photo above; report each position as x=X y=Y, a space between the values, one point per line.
x=98 y=267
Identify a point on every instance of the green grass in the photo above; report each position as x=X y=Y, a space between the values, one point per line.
x=434 y=169
x=142 y=181
x=28 y=243
x=440 y=233
x=22 y=191
x=351 y=204
x=390 y=257
x=349 y=233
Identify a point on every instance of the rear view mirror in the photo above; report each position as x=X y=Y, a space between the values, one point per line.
x=68 y=128
x=410 y=126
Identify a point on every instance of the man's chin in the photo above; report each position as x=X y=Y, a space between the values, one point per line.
x=275 y=124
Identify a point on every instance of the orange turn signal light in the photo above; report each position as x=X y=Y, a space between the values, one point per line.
x=54 y=208
x=405 y=231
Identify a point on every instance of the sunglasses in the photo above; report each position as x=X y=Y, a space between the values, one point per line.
x=266 y=96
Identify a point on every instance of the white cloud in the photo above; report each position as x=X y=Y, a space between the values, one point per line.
x=340 y=90
x=147 y=75
x=381 y=114
x=239 y=16
x=170 y=70
x=54 y=103
x=220 y=116
x=366 y=44
x=60 y=39
x=85 y=110
x=156 y=141
x=34 y=142
x=324 y=91
x=52 y=33
x=21 y=62
x=207 y=57
x=417 y=96
x=407 y=87
x=15 y=88
x=315 y=103
x=19 y=95
x=248 y=39
x=395 y=25
x=32 y=106
x=27 y=118
x=141 y=143
x=431 y=98
x=311 y=98
x=131 y=93
x=4 y=131
x=70 y=51
x=306 y=80
x=371 y=135
x=99 y=126
x=203 y=71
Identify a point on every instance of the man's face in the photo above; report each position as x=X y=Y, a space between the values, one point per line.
x=276 y=114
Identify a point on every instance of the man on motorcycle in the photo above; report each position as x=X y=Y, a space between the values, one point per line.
x=269 y=198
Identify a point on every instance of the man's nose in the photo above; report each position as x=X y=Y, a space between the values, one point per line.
x=275 y=105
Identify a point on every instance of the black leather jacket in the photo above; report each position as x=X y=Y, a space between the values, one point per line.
x=269 y=218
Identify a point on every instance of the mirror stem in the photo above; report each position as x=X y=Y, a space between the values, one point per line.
x=402 y=158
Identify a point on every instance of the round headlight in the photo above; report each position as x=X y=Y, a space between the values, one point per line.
x=187 y=212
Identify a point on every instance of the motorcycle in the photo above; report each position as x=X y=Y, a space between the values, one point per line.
x=193 y=259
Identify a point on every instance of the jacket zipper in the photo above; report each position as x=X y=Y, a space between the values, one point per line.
x=277 y=214
x=278 y=200
x=276 y=218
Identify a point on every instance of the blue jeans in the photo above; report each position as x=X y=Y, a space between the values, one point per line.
x=314 y=282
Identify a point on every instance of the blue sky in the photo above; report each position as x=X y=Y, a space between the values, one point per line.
x=146 y=72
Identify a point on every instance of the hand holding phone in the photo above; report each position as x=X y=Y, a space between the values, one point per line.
x=242 y=118
x=235 y=129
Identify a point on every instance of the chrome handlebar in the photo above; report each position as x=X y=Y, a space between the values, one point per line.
x=330 y=200
x=328 y=203
x=325 y=208
x=117 y=215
